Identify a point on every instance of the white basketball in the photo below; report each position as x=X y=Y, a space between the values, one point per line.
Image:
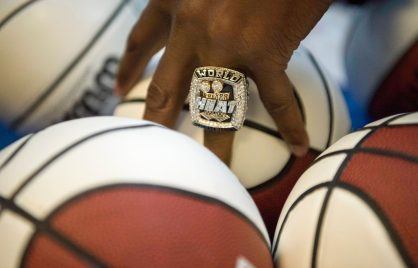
x=59 y=58
x=356 y=206
x=381 y=57
x=261 y=159
x=43 y=175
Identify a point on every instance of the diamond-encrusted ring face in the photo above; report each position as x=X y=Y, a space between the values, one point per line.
x=218 y=98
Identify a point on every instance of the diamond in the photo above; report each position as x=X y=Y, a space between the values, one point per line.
x=217 y=86
x=204 y=86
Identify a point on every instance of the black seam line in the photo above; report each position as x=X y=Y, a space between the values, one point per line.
x=15 y=152
x=15 y=12
x=169 y=189
x=334 y=182
x=328 y=94
x=369 y=202
x=374 y=151
x=69 y=148
x=52 y=233
x=299 y=103
x=382 y=218
x=37 y=103
x=294 y=204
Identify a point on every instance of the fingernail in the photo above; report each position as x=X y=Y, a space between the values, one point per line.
x=298 y=150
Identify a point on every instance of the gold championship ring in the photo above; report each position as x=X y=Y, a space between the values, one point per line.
x=218 y=98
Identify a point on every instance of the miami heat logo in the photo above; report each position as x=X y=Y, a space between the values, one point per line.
x=218 y=98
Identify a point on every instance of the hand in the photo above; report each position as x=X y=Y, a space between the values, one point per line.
x=256 y=37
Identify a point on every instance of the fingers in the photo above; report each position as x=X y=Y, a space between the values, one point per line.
x=220 y=143
x=170 y=86
x=278 y=97
x=147 y=37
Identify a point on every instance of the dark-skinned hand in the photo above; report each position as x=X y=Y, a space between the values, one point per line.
x=256 y=37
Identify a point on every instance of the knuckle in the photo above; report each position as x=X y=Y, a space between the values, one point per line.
x=278 y=107
x=189 y=13
x=282 y=44
x=159 y=100
x=222 y=28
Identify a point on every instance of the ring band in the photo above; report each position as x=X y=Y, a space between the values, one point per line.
x=218 y=98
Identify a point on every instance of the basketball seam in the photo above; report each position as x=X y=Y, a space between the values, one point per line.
x=292 y=206
x=15 y=12
x=328 y=94
x=332 y=185
x=50 y=89
x=51 y=232
x=374 y=151
x=70 y=147
x=15 y=152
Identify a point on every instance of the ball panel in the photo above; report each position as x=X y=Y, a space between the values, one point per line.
x=383 y=121
x=15 y=232
x=403 y=139
x=411 y=118
x=41 y=148
x=299 y=226
x=322 y=172
x=394 y=196
x=271 y=196
x=8 y=8
x=254 y=168
x=10 y=151
x=188 y=230
x=45 y=252
x=346 y=239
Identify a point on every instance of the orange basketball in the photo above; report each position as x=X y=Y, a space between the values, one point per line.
x=113 y=192
x=357 y=206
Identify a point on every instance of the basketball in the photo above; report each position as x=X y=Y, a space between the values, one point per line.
x=356 y=206
x=113 y=192
x=59 y=59
x=261 y=159
x=382 y=58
